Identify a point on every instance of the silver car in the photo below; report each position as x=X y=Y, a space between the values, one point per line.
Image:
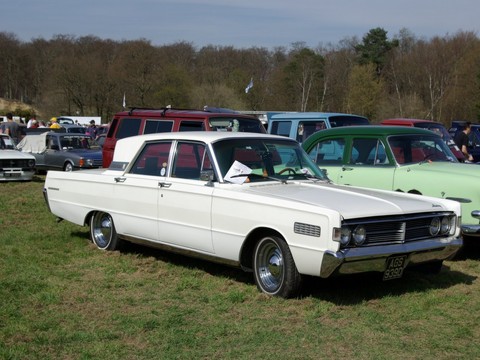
x=14 y=165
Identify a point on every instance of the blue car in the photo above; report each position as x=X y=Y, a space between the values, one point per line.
x=62 y=151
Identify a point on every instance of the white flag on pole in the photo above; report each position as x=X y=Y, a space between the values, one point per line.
x=249 y=86
x=124 y=102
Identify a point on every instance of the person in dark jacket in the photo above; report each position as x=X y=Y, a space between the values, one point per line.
x=461 y=140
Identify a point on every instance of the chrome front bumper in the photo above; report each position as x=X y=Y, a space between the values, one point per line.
x=367 y=259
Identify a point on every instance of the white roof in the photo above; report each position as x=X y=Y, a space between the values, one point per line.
x=33 y=143
x=125 y=149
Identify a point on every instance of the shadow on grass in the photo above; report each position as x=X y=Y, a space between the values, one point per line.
x=341 y=290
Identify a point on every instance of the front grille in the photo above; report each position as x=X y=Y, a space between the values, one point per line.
x=396 y=229
x=97 y=163
x=14 y=163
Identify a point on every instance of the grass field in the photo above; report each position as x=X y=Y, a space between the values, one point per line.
x=61 y=298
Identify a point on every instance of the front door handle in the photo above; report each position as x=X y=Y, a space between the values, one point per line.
x=345 y=168
x=164 y=184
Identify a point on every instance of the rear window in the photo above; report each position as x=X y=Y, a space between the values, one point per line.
x=191 y=126
x=337 y=121
x=236 y=124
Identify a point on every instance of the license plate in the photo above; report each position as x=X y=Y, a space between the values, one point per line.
x=395 y=266
x=12 y=174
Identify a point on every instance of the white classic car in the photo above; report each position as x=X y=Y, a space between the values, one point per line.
x=255 y=201
x=14 y=165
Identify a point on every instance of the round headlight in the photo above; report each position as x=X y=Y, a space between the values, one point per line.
x=345 y=235
x=445 y=225
x=359 y=235
x=434 y=226
x=31 y=163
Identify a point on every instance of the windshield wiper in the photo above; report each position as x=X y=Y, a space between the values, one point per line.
x=283 y=181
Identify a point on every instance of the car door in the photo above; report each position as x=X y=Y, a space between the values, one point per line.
x=366 y=164
x=136 y=194
x=54 y=155
x=185 y=200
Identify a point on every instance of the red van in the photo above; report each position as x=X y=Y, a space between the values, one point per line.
x=429 y=125
x=140 y=121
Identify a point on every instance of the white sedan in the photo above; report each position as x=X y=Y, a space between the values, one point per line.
x=14 y=165
x=255 y=201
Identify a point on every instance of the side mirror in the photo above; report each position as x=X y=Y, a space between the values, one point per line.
x=207 y=175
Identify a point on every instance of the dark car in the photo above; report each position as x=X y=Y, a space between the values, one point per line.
x=140 y=121
x=62 y=151
x=429 y=125
x=473 y=138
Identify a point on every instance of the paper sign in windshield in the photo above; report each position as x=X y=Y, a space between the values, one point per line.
x=238 y=173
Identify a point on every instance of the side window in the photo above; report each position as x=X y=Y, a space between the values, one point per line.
x=307 y=128
x=128 y=127
x=328 y=152
x=191 y=126
x=157 y=126
x=190 y=159
x=281 y=128
x=368 y=152
x=153 y=160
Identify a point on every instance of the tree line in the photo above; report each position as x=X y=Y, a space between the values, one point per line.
x=375 y=76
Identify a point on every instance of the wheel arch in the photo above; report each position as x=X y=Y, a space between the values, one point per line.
x=86 y=220
x=246 y=260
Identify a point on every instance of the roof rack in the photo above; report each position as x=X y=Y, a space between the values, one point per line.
x=163 y=109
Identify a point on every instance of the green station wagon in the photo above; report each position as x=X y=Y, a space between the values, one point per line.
x=398 y=158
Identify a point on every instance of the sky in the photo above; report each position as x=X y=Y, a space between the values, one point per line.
x=241 y=24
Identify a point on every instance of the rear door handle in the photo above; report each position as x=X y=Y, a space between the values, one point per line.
x=164 y=184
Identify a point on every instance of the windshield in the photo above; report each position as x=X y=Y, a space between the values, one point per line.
x=266 y=158
x=78 y=142
x=6 y=143
x=408 y=149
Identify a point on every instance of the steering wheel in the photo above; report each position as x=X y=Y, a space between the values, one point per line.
x=290 y=171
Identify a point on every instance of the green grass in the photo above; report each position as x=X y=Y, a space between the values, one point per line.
x=61 y=298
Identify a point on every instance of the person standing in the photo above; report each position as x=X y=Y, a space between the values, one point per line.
x=11 y=128
x=92 y=130
x=461 y=140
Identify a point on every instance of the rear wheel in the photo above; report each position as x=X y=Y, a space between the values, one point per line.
x=102 y=231
x=274 y=269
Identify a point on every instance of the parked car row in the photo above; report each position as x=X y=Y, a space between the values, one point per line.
x=340 y=201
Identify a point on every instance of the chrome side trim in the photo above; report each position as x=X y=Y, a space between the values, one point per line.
x=181 y=251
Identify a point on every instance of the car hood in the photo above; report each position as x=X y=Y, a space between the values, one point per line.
x=14 y=154
x=442 y=167
x=351 y=202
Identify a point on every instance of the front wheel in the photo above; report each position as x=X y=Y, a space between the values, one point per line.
x=102 y=231
x=68 y=167
x=274 y=269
